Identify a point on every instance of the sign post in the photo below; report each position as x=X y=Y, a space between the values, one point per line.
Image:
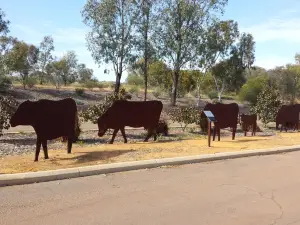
x=210 y=118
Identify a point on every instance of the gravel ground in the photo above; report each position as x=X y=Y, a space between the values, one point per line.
x=18 y=144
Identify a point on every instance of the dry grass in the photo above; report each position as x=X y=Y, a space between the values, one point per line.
x=103 y=154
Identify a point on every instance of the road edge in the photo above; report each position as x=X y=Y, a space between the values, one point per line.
x=60 y=174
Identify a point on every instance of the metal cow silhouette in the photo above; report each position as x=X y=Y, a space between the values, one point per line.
x=50 y=120
x=133 y=114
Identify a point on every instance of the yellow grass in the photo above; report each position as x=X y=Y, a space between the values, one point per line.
x=104 y=153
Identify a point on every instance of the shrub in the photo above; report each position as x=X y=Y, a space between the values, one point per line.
x=184 y=115
x=212 y=95
x=8 y=106
x=134 y=80
x=157 y=92
x=251 y=89
x=5 y=84
x=134 y=90
x=101 y=85
x=90 y=84
x=93 y=112
x=31 y=82
x=267 y=105
x=79 y=91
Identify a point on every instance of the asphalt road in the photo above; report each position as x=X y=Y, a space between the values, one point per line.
x=258 y=190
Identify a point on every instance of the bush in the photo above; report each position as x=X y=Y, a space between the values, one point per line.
x=134 y=90
x=5 y=84
x=267 y=105
x=93 y=112
x=8 y=106
x=157 y=92
x=184 y=115
x=134 y=80
x=90 y=84
x=251 y=89
x=213 y=95
x=79 y=91
x=31 y=82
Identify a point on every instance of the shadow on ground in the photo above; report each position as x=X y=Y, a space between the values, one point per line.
x=97 y=156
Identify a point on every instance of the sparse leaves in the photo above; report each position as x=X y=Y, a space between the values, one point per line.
x=7 y=108
x=184 y=115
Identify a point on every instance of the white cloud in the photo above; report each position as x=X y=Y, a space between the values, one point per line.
x=276 y=29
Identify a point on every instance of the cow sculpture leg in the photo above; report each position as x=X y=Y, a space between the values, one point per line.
x=70 y=142
x=233 y=133
x=114 y=136
x=214 y=133
x=123 y=134
x=45 y=149
x=38 y=148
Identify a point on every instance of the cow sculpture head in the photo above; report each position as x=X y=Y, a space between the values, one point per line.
x=102 y=128
x=24 y=115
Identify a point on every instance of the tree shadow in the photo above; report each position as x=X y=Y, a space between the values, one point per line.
x=97 y=156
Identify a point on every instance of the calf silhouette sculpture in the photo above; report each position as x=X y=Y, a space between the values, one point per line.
x=50 y=120
x=248 y=120
x=133 y=114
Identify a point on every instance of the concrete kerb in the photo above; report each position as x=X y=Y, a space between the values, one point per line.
x=60 y=174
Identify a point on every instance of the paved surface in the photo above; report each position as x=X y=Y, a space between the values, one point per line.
x=258 y=190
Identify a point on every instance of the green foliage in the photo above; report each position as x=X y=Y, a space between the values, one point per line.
x=213 y=95
x=79 y=91
x=22 y=59
x=93 y=112
x=5 y=83
x=184 y=115
x=157 y=92
x=44 y=58
x=31 y=81
x=3 y=23
x=111 y=39
x=287 y=79
x=160 y=75
x=136 y=80
x=7 y=108
x=134 y=90
x=180 y=33
x=251 y=89
x=267 y=105
x=84 y=74
x=90 y=84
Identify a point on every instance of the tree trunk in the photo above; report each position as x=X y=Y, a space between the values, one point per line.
x=174 y=87
x=118 y=83
x=146 y=84
x=24 y=79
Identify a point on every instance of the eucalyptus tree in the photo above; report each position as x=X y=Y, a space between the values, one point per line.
x=229 y=73
x=112 y=39
x=219 y=38
x=145 y=27
x=180 y=32
x=45 y=57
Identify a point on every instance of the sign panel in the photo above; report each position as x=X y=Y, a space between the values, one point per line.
x=210 y=116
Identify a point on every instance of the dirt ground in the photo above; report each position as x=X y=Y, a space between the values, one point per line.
x=119 y=152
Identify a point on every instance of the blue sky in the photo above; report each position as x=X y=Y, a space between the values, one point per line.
x=275 y=25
